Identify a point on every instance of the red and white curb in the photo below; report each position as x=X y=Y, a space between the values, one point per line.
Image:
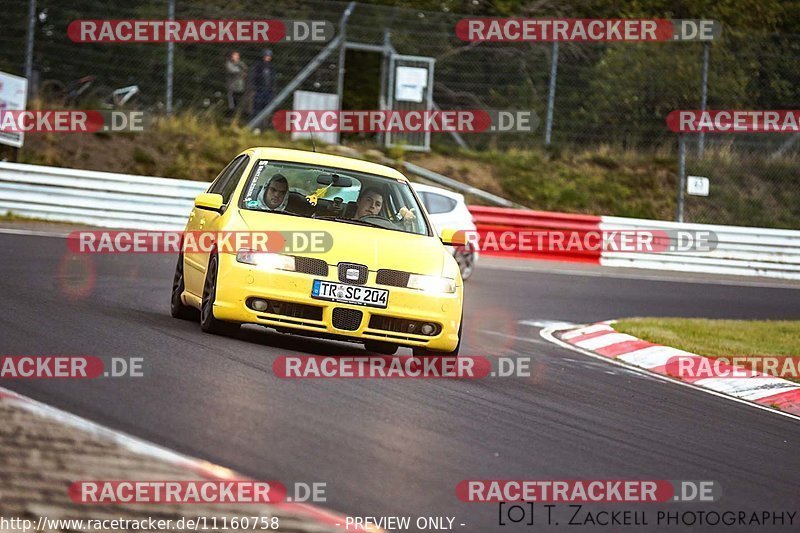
x=199 y=467
x=602 y=341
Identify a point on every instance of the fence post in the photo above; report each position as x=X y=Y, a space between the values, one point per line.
x=704 y=98
x=170 y=60
x=551 y=97
x=29 y=44
x=681 y=176
x=343 y=51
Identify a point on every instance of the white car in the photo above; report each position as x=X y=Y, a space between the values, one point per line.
x=447 y=209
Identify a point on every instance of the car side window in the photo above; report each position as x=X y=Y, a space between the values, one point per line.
x=233 y=180
x=436 y=203
x=231 y=174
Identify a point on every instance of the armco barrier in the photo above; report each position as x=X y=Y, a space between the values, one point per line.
x=500 y=229
x=739 y=250
x=97 y=198
x=127 y=201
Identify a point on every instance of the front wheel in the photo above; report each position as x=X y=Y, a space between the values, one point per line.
x=208 y=322
x=177 y=308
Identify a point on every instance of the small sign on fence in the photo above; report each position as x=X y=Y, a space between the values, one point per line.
x=697 y=185
x=13 y=97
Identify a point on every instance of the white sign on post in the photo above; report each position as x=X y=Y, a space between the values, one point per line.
x=410 y=83
x=13 y=97
x=697 y=185
x=308 y=100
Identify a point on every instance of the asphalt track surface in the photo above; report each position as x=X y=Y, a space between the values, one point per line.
x=399 y=447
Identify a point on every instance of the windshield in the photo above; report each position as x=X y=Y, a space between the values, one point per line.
x=336 y=194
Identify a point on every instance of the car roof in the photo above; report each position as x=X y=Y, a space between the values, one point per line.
x=419 y=187
x=326 y=160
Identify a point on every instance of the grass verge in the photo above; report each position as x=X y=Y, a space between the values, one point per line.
x=725 y=338
x=718 y=338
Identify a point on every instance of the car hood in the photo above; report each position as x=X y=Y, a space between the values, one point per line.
x=374 y=247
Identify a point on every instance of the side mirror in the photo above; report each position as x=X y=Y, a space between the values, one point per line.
x=452 y=237
x=209 y=201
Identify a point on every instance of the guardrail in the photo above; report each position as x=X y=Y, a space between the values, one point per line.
x=508 y=233
x=128 y=201
x=97 y=198
x=739 y=250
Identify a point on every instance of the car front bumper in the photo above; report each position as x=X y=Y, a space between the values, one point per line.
x=238 y=282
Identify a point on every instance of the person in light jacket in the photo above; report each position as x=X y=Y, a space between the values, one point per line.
x=235 y=76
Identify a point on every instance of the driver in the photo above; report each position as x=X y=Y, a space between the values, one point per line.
x=274 y=196
x=370 y=203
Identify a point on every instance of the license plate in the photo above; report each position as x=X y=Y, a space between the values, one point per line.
x=349 y=294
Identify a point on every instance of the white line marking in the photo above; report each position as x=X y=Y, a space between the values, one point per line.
x=548 y=335
x=33 y=233
x=123 y=439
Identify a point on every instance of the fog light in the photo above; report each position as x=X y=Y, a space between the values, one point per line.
x=259 y=305
x=428 y=329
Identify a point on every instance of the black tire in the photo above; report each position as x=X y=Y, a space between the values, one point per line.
x=208 y=322
x=384 y=348
x=177 y=308
x=424 y=352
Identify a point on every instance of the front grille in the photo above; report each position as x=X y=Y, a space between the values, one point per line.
x=400 y=325
x=346 y=319
x=291 y=309
x=309 y=265
x=395 y=278
x=362 y=273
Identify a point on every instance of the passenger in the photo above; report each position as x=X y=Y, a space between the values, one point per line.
x=275 y=194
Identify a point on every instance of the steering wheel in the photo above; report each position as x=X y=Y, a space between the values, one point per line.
x=379 y=221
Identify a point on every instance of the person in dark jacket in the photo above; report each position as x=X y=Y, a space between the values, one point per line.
x=263 y=77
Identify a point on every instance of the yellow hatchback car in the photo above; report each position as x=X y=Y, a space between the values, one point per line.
x=377 y=272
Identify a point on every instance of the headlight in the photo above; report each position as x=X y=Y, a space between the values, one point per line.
x=265 y=260
x=434 y=284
